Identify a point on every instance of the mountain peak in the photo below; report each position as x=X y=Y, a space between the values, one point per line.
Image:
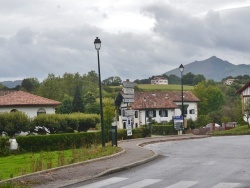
x=213 y=68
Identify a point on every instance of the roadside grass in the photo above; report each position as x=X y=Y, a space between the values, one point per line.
x=240 y=130
x=22 y=164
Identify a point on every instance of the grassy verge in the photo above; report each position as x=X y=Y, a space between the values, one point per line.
x=172 y=87
x=241 y=130
x=21 y=164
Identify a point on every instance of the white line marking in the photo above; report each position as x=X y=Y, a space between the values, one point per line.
x=183 y=184
x=226 y=185
x=142 y=183
x=104 y=182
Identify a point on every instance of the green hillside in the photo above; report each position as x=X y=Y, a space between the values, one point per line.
x=150 y=87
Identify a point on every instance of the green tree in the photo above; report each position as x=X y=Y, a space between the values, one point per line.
x=188 y=78
x=77 y=101
x=211 y=97
x=112 y=81
x=30 y=85
x=108 y=113
x=66 y=106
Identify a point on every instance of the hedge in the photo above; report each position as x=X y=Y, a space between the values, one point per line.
x=162 y=130
x=57 y=141
x=4 y=142
x=69 y=140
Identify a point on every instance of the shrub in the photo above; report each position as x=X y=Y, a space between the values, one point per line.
x=162 y=129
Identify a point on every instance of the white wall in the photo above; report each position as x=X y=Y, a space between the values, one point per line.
x=171 y=112
x=30 y=111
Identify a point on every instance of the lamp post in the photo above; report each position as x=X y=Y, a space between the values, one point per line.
x=97 y=43
x=144 y=100
x=181 y=67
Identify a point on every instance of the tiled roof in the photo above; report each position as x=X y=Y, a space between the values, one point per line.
x=21 y=98
x=161 y=99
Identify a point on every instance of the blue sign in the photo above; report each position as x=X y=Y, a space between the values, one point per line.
x=178 y=123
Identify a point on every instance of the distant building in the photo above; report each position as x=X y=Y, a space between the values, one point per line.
x=160 y=106
x=159 y=81
x=229 y=81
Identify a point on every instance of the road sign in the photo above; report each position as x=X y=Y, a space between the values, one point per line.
x=178 y=122
x=128 y=84
x=127 y=90
x=128 y=100
x=129 y=112
x=128 y=96
x=129 y=126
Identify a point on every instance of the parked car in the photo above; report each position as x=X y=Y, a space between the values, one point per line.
x=211 y=124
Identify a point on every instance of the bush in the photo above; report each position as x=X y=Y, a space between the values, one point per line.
x=162 y=129
x=57 y=141
x=4 y=143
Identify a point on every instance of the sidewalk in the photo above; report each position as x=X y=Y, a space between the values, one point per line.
x=132 y=155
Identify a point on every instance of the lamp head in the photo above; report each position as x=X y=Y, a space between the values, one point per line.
x=97 y=43
x=181 y=67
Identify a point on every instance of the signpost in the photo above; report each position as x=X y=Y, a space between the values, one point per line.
x=128 y=97
x=178 y=123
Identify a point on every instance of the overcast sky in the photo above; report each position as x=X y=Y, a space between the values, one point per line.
x=139 y=38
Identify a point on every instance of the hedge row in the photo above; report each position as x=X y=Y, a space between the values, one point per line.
x=71 y=140
x=57 y=141
x=56 y=123
x=162 y=130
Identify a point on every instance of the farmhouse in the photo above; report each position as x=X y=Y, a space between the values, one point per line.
x=159 y=81
x=32 y=105
x=160 y=106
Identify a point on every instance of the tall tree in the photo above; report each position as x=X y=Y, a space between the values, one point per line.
x=77 y=101
x=30 y=85
x=211 y=97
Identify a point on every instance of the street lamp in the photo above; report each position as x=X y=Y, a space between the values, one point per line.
x=181 y=67
x=144 y=100
x=97 y=43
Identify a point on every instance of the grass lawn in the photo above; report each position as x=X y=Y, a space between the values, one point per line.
x=170 y=87
x=21 y=164
x=240 y=130
x=150 y=87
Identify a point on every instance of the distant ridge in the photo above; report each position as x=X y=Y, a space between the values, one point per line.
x=213 y=68
x=11 y=84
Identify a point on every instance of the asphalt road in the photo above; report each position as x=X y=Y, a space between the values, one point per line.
x=214 y=162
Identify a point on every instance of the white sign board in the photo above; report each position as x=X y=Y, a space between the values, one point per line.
x=128 y=84
x=129 y=126
x=127 y=90
x=128 y=100
x=128 y=96
x=129 y=112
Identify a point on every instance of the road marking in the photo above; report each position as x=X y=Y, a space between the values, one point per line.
x=183 y=184
x=142 y=183
x=226 y=185
x=104 y=182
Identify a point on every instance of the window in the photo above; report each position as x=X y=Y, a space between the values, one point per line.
x=163 y=113
x=136 y=114
x=41 y=111
x=192 y=111
x=151 y=113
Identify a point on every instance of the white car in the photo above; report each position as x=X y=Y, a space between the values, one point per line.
x=211 y=124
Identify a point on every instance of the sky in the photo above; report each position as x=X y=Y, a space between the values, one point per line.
x=139 y=38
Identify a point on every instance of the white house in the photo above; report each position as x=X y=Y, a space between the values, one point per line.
x=32 y=105
x=245 y=96
x=159 y=105
x=229 y=81
x=159 y=81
